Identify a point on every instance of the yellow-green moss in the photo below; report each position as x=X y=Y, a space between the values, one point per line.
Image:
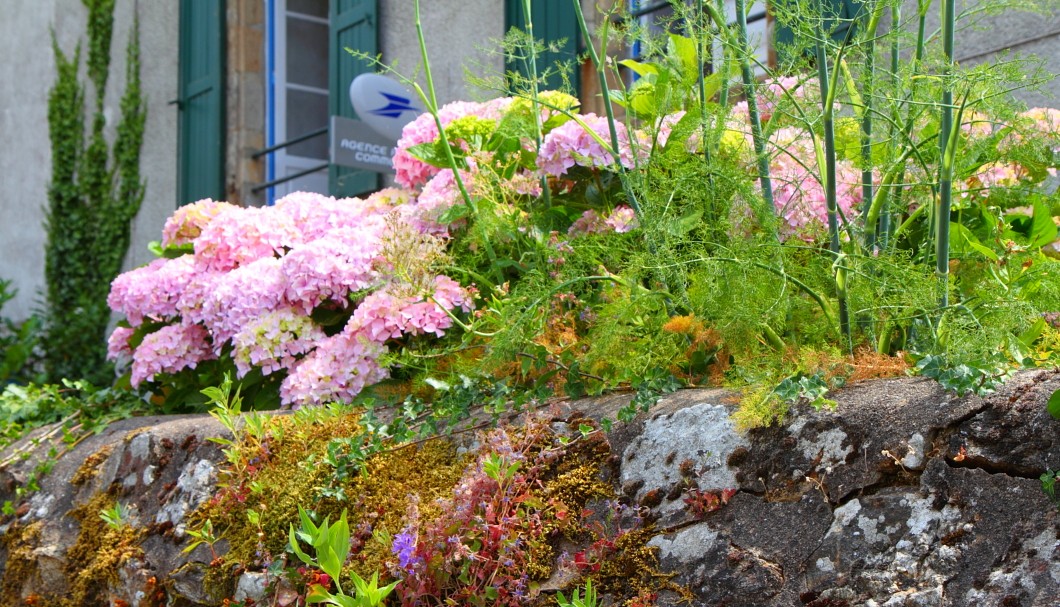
x=293 y=471
x=90 y=467
x=93 y=562
x=20 y=540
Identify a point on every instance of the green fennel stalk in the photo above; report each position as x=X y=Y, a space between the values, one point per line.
x=828 y=89
x=546 y=192
x=947 y=149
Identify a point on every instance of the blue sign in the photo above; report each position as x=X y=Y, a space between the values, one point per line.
x=383 y=104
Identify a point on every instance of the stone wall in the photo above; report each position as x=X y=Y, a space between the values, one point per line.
x=903 y=496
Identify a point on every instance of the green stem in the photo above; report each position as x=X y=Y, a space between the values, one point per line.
x=723 y=94
x=883 y=345
x=908 y=222
x=895 y=193
x=771 y=336
x=825 y=309
x=947 y=145
x=752 y=102
x=608 y=108
x=702 y=91
x=545 y=189
x=829 y=87
x=868 y=93
x=431 y=100
x=879 y=199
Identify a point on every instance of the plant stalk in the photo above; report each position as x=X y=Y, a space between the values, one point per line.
x=752 y=102
x=868 y=92
x=828 y=87
x=431 y=101
x=546 y=192
x=608 y=108
x=947 y=145
x=895 y=193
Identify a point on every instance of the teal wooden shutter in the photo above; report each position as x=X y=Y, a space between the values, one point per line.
x=353 y=25
x=554 y=20
x=200 y=101
x=842 y=10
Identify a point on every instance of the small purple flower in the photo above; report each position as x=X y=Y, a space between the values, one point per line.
x=404 y=547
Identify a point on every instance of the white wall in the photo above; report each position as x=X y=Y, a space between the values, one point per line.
x=27 y=69
x=456 y=31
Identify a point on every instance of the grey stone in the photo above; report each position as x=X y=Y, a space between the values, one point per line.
x=901 y=496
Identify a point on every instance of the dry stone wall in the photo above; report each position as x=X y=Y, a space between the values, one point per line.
x=902 y=496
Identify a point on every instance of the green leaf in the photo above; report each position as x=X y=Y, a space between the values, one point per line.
x=1054 y=405
x=329 y=561
x=340 y=538
x=455 y=212
x=318 y=594
x=432 y=153
x=293 y=545
x=641 y=69
x=1031 y=335
x=686 y=223
x=1043 y=230
x=964 y=241
x=684 y=50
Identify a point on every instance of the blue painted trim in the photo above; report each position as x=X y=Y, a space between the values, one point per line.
x=270 y=93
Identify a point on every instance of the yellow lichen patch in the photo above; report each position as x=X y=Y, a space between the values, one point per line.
x=93 y=562
x=90 y=467
x=19 y=541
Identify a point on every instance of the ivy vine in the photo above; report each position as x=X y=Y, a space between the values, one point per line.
x=94 y=194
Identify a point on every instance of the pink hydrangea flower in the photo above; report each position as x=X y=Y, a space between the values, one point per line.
x=333 y=266
x=570 y=144
x=274 y=341
x=170 y=349
x=780 y=91
x=187 y=223
x=118 y=343
x=412 y=172
x=242 y=295
x=994 y=175
x=798 y=194
x=241 y=235
x=337 y=370
x=622 y=219
x=439 y=195
x=151 y=291
x=589 y=223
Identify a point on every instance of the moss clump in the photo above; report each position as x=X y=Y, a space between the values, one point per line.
x=90 y=467
x=19 y=542
x=94 y=560
x=288 y=468
x=632 y=570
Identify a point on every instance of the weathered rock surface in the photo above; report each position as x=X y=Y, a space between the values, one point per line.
x=902 y=496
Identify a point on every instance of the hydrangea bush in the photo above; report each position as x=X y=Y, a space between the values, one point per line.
x=257 y=283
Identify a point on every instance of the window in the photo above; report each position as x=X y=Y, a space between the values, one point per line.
x=297 y=95
x=653 y=14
